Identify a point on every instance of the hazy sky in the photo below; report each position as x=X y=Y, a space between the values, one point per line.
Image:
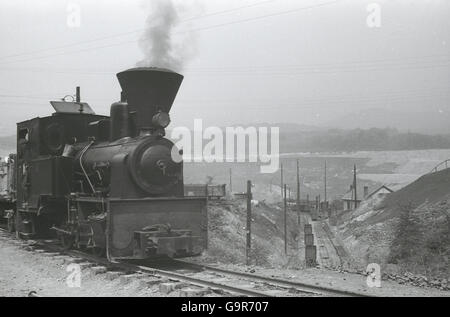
x=308 y=62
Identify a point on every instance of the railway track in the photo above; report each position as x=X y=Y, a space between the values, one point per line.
x=298 y=286
x=215 y=280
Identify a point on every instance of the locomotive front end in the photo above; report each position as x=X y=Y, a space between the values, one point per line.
x=148 y=213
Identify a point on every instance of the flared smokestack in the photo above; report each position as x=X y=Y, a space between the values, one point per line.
x=148 y=91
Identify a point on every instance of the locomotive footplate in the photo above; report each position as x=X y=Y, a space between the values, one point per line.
x=164 y=241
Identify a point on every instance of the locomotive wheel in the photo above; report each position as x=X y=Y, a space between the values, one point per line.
x=66 y=241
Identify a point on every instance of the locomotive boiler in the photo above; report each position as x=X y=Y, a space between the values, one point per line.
x=112 y=184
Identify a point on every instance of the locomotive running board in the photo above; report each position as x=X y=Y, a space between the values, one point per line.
x=126 y=217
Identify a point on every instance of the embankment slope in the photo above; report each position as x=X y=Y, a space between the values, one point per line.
x=406 y=230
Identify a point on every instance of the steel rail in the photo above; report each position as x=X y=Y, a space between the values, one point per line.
x=316 y=289
x=144 y=269
x=158 y=272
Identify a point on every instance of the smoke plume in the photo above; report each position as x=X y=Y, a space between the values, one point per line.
x=161 y=46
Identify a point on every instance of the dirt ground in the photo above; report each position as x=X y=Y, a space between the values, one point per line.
x=23 y=271
x=341 y=280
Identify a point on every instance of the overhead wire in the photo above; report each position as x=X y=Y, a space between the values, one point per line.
x=112 y=36
x=189 y=31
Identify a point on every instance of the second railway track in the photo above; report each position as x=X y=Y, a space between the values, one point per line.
x=293 y=285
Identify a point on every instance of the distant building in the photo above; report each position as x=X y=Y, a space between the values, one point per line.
x=349 y=200
x=382 y=191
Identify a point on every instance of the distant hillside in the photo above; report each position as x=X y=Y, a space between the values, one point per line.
x=335 y=140
x=304 y=138
x=295 y=138
x=289 y=127
x=430 y=122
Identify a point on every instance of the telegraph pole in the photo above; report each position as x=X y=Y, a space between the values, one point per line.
x=298 y=184
x=285 y=221
x=249 y=222
x=325 y=183
x=282 y=183
x=231 y=183
x=298 y=193
x=354 y=185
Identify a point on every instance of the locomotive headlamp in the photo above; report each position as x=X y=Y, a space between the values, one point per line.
x=161 y=119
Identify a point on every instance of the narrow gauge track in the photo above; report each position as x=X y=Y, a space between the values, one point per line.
x=220 y=281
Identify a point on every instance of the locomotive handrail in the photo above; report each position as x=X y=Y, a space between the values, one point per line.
x=436 y=168
x=82 y=167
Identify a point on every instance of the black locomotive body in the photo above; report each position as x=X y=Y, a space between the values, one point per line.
x=110 y=184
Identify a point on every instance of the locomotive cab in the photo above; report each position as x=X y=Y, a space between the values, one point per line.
x=44 y=175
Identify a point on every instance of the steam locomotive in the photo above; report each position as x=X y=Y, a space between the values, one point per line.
x=113 y=185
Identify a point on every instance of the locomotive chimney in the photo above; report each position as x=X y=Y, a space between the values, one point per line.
x=149 y=92
x=78 y=95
